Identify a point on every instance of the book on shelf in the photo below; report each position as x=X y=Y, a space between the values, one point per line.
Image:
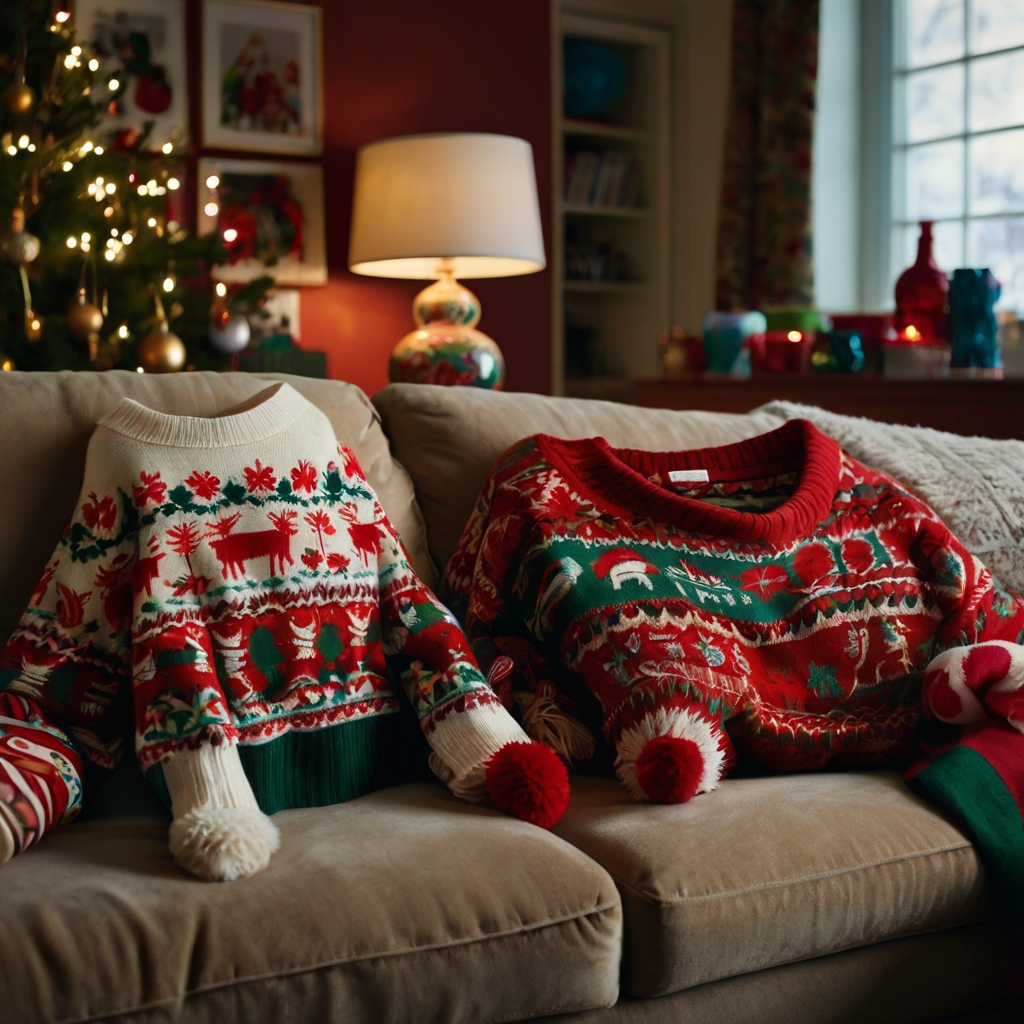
x=608 y=179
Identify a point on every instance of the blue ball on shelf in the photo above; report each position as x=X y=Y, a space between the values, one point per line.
x=595 y=78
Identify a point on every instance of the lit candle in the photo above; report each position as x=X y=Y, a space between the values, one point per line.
x=786 y=351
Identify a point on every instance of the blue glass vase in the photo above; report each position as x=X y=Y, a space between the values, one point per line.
x=973 y=330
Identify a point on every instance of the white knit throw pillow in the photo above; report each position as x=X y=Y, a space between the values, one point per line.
x=975 y=484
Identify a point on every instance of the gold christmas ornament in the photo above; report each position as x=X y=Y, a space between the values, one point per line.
x=84 y=319
x=18 y=98
x=6 y=363
x=160 y=351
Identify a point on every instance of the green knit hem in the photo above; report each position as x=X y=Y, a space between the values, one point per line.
x=965 y=784
x=325 y=766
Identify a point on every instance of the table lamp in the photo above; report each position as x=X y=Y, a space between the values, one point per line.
x=440 y=207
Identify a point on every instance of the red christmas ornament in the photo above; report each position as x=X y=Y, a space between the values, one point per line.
x=152 y=94
x=922 y=295
x=529 y=781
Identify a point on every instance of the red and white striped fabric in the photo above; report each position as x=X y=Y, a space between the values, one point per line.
x=40 y=776
x=966 y=685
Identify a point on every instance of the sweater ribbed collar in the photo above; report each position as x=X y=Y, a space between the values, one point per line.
x=620 y=477
x=275 y=410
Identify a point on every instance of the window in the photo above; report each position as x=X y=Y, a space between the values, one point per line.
x=958 y=136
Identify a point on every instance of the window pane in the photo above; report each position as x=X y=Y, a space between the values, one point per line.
x=999 y=245
x=996 y=25
x=997 y=90
x=997 y=173
x=935 y=103
x=935 y=31
x=949 y=244
x=935 y=181
x=904 y=252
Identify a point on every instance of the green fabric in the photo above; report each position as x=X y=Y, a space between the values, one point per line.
x=307 y=769
x=966 y=785
x=325 y=766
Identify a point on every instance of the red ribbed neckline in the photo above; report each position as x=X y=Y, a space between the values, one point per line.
x=619 y=477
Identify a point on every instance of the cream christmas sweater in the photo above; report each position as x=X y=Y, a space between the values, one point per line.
x=233 y=588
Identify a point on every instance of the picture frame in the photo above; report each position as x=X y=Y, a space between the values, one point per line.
x=262 y=77
x=141 y=45
x=280 y=312
x=270 y=215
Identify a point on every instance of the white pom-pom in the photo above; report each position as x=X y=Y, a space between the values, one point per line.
x=224 y=843
x=686 y=724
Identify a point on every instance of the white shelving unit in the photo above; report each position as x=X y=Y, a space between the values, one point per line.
x=624 y=310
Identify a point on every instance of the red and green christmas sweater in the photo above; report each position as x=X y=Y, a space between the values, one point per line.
x=231 y=598
x=773 y=598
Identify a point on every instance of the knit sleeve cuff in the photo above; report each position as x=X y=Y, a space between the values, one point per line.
x=210 y=776
x=463 y=741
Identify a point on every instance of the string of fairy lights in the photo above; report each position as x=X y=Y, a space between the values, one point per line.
x=126 y=202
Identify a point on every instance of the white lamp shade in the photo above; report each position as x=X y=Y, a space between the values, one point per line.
x=470 y=199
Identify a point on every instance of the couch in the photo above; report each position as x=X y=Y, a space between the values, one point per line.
x=833 y=897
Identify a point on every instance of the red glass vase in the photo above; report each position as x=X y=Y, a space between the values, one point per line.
x=922 y=295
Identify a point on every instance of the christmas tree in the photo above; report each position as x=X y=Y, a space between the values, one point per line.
x=96 y=267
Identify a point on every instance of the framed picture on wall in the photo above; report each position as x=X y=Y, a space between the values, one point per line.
x=270 y=217
x=140 y=45
x=262 y=77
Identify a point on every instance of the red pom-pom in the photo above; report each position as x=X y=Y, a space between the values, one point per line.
x=529 y=781
x=669 y=769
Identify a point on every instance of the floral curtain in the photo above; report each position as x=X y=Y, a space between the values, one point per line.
x=764 y=224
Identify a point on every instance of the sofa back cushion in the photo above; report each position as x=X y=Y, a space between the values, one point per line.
x=448 y=439
x=46 y=420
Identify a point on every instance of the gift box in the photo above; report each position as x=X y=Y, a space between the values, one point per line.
x=787 y=351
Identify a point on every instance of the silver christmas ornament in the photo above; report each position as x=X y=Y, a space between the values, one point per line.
x=20 y=247
x=229 y=333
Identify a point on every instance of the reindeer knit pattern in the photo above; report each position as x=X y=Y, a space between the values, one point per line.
x=230 y=581
x=775 y=587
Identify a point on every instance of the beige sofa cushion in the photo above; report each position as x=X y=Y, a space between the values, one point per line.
x=405 y=905
x=769 y=871
x=448 y=439
x=933 y=977
x=46 y=420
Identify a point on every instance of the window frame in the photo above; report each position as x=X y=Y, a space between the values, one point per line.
x=898 y=72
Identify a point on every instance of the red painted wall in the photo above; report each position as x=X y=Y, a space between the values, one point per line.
x=399 y=67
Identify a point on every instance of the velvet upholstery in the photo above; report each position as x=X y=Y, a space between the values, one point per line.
x=956 y=976
x=404 y=905
x=798 y=865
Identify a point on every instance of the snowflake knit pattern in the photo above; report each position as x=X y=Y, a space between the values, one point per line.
x=231 y=583
x=775 y=587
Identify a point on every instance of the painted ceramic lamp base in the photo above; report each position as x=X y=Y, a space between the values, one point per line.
x=446 y=348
